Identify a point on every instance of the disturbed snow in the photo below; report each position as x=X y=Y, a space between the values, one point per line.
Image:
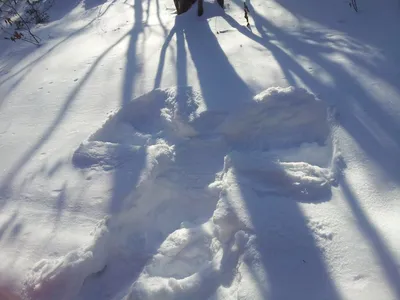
x=203 y=196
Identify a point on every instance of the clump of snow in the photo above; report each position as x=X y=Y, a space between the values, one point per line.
x=278 y=117
x=191 y=263
x=296 y=179
x=159 y=113
x=63 y=277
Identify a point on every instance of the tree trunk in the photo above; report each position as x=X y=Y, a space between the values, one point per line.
x=177 y=6
x=183 y=6
x=200 y=9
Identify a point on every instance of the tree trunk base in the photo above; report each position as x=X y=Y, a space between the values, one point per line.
x=200 y=9
x=183 y=6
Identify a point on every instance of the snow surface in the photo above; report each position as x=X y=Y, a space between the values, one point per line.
x=146 y=155
x=162 y=142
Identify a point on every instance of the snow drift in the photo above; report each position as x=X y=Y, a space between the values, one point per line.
x=197 y=178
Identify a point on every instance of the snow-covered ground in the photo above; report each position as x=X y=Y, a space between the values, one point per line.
x=149 y=156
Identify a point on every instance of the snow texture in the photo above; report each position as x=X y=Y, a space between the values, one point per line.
x=174 y=133
x=201 y=190
x=63 y=277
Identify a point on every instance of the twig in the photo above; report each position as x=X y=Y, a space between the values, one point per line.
x=246 y=14
x=353 y=4
x=37 y=39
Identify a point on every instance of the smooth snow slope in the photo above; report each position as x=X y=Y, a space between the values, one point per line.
x=208 y=191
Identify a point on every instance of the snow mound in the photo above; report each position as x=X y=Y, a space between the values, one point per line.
x=278 y=117
x=187 y=218
x=174 y=111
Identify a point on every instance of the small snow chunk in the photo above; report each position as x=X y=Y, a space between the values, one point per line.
x=63 y=277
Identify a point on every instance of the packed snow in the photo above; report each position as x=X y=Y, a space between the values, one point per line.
x=146 y=155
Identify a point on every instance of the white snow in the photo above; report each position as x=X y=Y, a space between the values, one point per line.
x=163 y=142
x=145 y=155
x=63 y=277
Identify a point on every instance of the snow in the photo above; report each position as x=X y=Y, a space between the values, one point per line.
x=161 y=142
x=62 y=277
x=146 y=155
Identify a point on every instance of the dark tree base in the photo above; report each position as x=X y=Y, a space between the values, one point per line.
x=200 y=9
x=183 y=6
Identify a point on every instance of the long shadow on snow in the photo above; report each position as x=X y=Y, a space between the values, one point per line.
x=222 y=86
x=372 y=236
x=123 y=180
x=60 y=9
x=383 y=151
x=28 y=68
x=131 y=55
x=293 y=263
x=5 y=185
x=374 y=129
x=374 y=25
x=124 y=183
x=27 y=50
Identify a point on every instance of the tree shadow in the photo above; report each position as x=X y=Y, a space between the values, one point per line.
x=366 y=26
x=222 y=87
x=158 y=10
x=131 y=65
x=124 y=180
x=7 y=224
x=130 y=70
x=163 y=52
x=59 y=9
x=374 y=129
x=60 y=203
x=371 y=235
x=93 y=3
x=360 y=114
x=220 y=84
x=286 y=248
x=28 y=68
x=6 y=184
